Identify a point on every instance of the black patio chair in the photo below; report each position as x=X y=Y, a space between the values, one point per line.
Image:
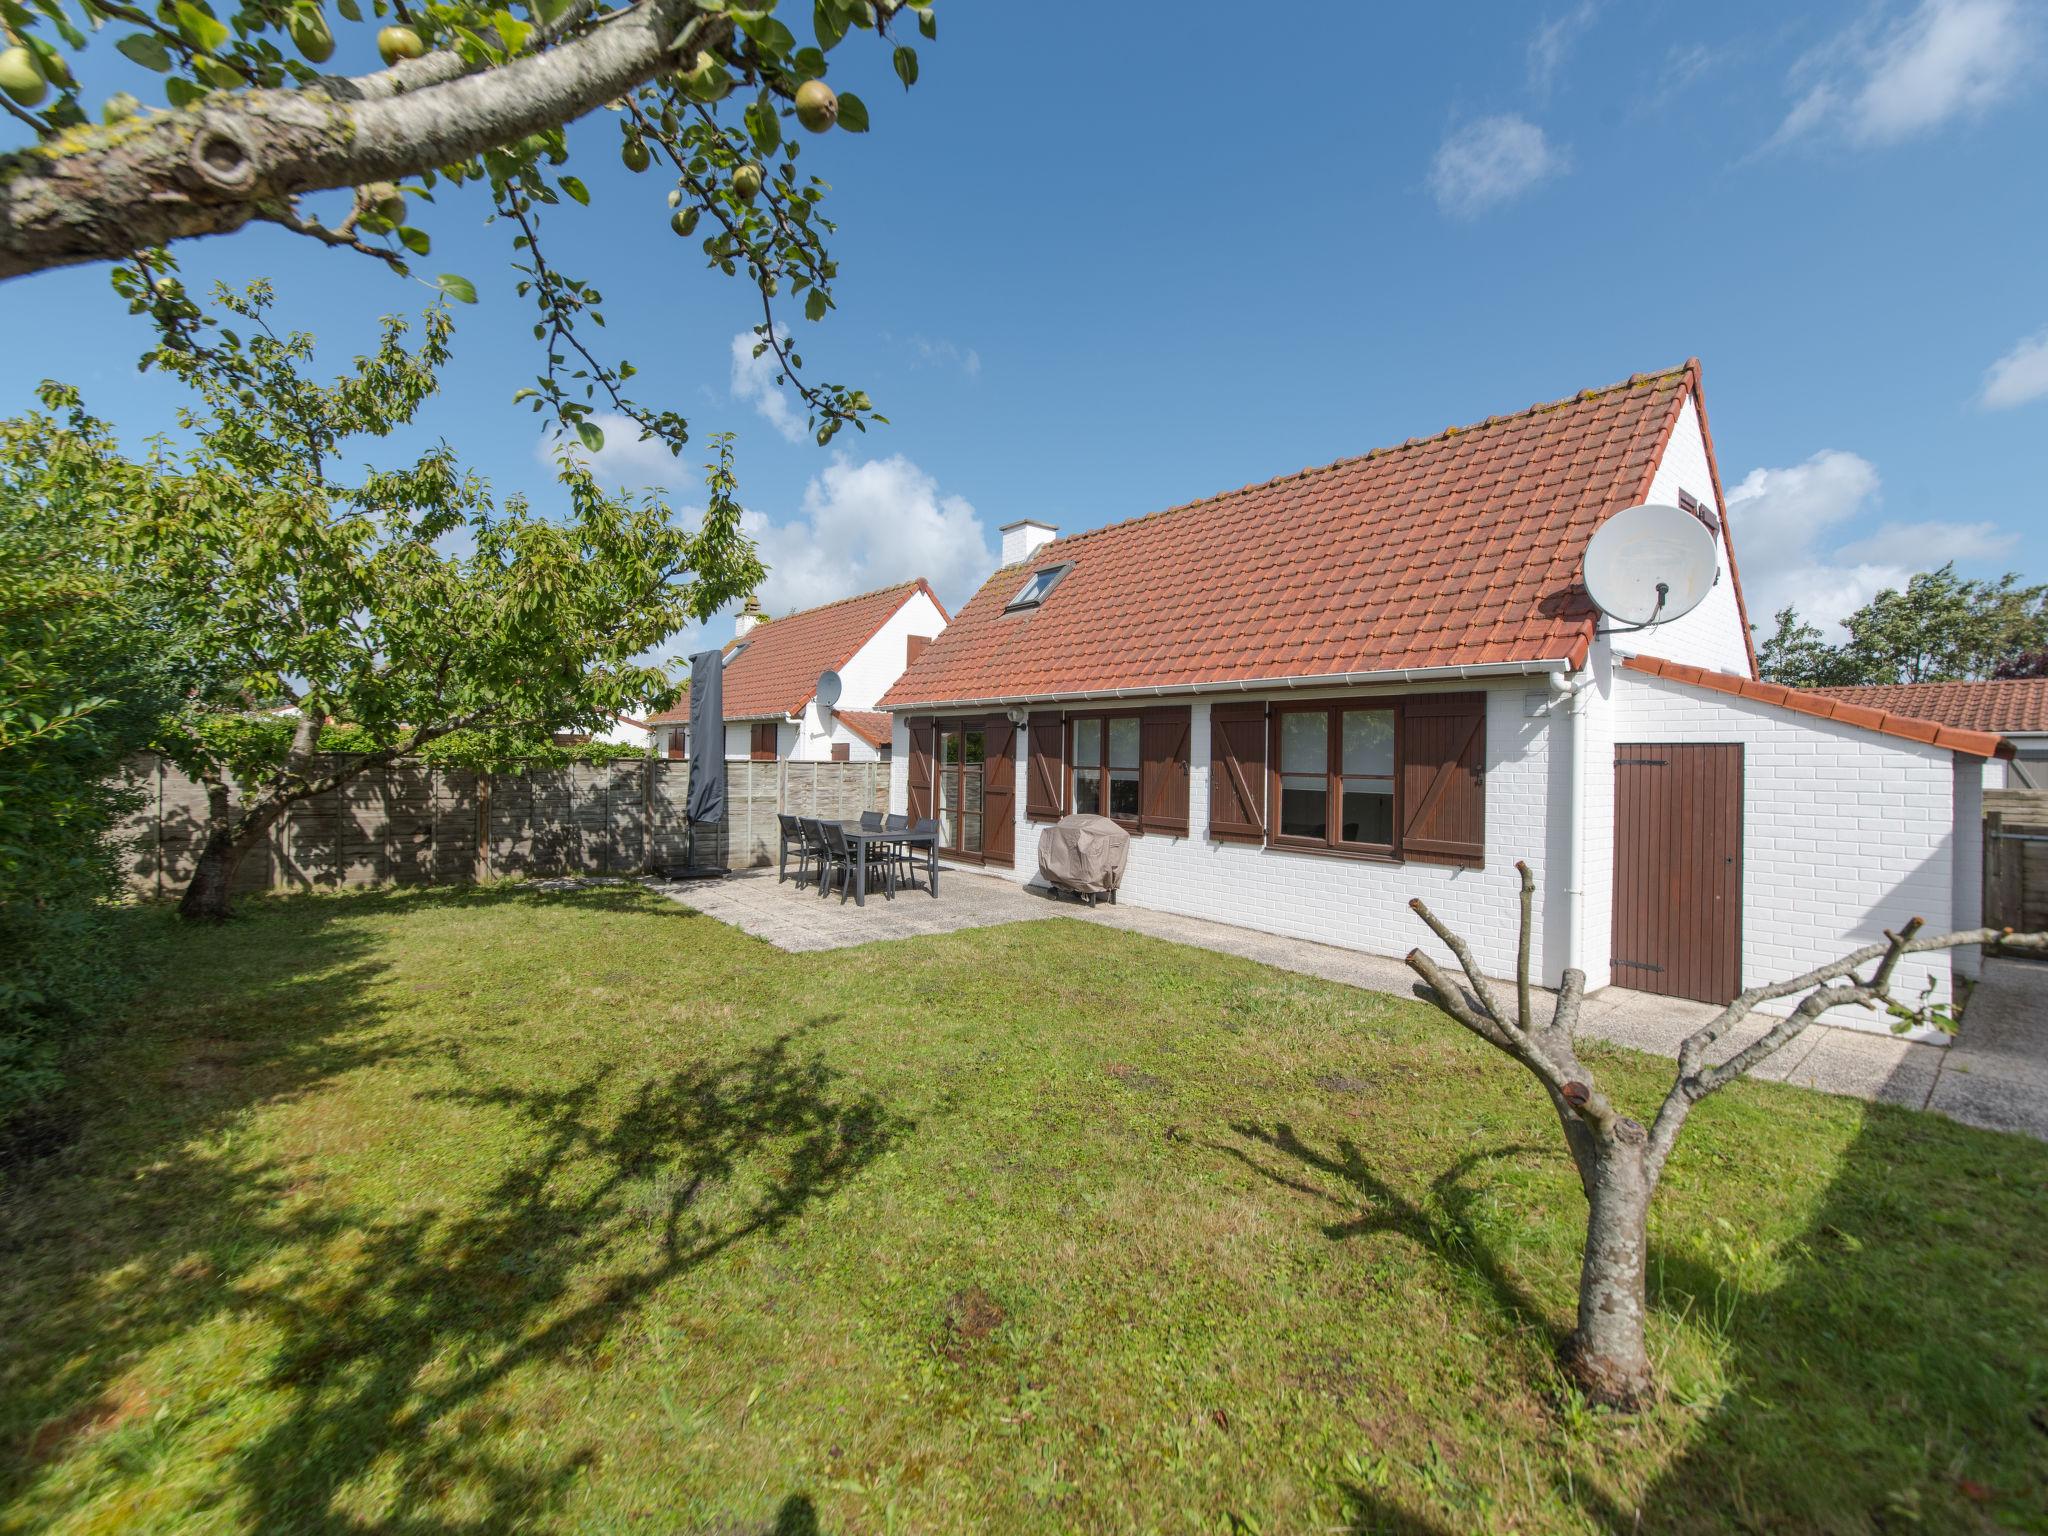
x=817 y=856
x=838 y=866
x=894 y=823
x=871 y=821
x=926 y=827
x=791 y=840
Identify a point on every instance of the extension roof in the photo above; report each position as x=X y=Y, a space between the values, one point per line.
x=1455 y=551
x=1809 y=701
x=2011 y=706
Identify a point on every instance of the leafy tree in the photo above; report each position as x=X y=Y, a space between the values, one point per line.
x=1941 y=628
x=87 y=669
x=2032 y=663
x=1798 y=656
x=1620 y=1159
x=474 y=93
x=404 y=601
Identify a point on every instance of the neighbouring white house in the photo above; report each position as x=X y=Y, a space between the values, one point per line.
x=1312 y=699
x=772 y=667
x=2015 y=708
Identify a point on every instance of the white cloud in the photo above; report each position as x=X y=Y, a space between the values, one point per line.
x=753 y=379
x=2019 y=376
x=1553 y=43
x=866 y=525
x=1882 y=85
x=1489 y=162
x=1786 y=525
x=626 y=459
x=1917 y=546
x=943 y=353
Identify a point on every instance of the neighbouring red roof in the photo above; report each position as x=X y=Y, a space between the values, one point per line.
x=870 y=725
x=1809 y=701
x=776 y=670
x=2008 y=705
x=1460 y=549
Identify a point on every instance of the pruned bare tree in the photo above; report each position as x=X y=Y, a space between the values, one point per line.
x=1619 y=1159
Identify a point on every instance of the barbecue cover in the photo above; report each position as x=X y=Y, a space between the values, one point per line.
x=1084 y=854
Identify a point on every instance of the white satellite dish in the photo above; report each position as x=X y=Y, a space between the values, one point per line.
x=828 y=689
x=1649 y=565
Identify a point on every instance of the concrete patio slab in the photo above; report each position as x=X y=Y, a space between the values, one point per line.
x=1995 y=1076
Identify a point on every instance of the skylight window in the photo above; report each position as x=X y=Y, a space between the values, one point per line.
x=1036 y=585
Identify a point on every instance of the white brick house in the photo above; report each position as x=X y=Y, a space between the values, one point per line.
x=772 y=669
x=1313 y=699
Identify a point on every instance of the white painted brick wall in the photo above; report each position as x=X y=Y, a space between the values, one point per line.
x=1352 y=903
x=1711 y=635
x=1845 y=832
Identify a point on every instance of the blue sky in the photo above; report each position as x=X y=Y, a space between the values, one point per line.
x=1094 y=271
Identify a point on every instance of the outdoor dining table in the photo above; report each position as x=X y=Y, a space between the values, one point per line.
x=859 y=839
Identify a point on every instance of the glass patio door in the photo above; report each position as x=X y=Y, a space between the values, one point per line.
x=959 y=771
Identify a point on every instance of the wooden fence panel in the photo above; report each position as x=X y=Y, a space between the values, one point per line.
x=413 y=823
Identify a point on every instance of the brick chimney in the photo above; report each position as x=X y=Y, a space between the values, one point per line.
x=749 y=617
x=1023 y=539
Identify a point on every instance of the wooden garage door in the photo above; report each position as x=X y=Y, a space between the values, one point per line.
x=1678 y=869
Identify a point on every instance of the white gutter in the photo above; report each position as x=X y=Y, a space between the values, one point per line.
x=1557 y=667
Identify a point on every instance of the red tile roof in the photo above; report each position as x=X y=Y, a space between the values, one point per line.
x=776 y=670
x=1456 y=550
x=2014 y=704
x=1807 y=701
x=870 y=725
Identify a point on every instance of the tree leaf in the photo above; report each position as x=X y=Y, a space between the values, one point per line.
x=414 y=240
x=592 y=435
x=145 y=49
x=815 y=305
x=200 y=27
x=826 y=22
x=853 y=113
x=458 y=288
x=180 y=92
x=763 y=125
x=577 y=190
x=905 y=60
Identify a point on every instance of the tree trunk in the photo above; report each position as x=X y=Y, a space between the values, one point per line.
x=1606 y=1355
x=206 y=894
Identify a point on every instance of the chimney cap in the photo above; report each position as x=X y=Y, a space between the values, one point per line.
x=1029 y=522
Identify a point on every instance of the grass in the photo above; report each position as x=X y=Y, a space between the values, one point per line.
x=466 y=1211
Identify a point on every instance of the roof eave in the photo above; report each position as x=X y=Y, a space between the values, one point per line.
x=1459 y=673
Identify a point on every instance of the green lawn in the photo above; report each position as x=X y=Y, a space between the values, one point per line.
x=466 y=1211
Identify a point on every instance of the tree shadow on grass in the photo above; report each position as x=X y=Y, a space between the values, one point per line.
x=1440 y=1224
x=392 y=1325
x=1896 y=1378
x=392 y=1369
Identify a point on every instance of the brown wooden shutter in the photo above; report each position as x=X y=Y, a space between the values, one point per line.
x=1443 y=778
x=1163 y=774
x=762 y=743
x=842 y=752
x=920 y=770
x=1237 y=772
x=999 y=793
x=1045 y=796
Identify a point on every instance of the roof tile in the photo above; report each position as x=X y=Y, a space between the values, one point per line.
x=1458 y=549
x=776 y=670
x=1805 y=701
x=2005 y=705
